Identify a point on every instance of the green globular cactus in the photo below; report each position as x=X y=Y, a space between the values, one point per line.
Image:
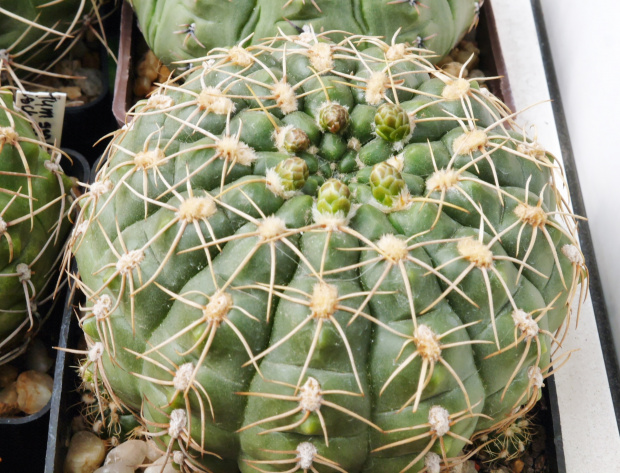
x=264 y=310
x=36 y=34
x=34 y=201
x=183 y=30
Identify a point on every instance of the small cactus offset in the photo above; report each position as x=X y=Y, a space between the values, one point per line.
x=35 y=197
x=324 y=256
x=36 y=34
x=183 y=30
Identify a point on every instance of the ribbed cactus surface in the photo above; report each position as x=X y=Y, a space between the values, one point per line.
x=186 y=29
x=35 y=34
x=34 y=201
x=324 y=256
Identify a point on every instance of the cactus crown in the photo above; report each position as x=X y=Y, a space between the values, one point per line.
x=350 y=303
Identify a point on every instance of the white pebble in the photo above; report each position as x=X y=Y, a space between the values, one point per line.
x=8 y=400
x=152 y=452
x=115 y=468
x=34 y=390
x=156 y=467
x=131 y=453
x=86 y=453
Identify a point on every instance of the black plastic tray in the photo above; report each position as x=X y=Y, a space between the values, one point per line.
x=22 y=437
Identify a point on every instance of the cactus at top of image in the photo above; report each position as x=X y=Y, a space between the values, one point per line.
x=35 y=35
x=180 y=30
x=35 y=197
x=324 y=255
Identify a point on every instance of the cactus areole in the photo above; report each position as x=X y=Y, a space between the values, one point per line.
x=274 y=286
x=34 y=201
x=185 y=29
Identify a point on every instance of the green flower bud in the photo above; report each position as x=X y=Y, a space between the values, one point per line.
x=293 y=172
x=296 y=140
x=334 y=196
x=386 y=183
x=334 y=118
x=392 y=122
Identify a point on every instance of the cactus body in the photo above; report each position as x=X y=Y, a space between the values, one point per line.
x=34 y=201
x=358 y=306
x=179 y=30
x=36 y=34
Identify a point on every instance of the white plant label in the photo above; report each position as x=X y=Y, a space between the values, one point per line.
x=47 y=109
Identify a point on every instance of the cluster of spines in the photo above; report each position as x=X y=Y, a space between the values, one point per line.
x=332 y=214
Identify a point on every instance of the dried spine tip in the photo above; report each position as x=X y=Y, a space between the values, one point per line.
x=393 y=248
x=218 y=307
x=196 y=208
x=456 y=89
x=442 y=180
x=427 y=343
x=439 y=419
x=470 y=141
x=536 y=377
x=475 y=252
x=524 y=322
x=23 y=272
x=285 y=97
x=532 y=215
x=183 y=377
x=102 y=307
x=234 y=151
x=178 y=421
x=240 y=56
x=306 y=453
x=146 y=159
x=271 y=227
x=375 y=88
x=432 y=462
x=95 y=352
x=129 y=261
x=324 y=301
x=320 y=55
x=213 y=100
x=310 y=396
x=573 y=254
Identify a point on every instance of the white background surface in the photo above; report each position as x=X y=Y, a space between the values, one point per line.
x=589 y=431
x=585 y=43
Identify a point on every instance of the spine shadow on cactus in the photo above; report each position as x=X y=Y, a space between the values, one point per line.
x=412 y=305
